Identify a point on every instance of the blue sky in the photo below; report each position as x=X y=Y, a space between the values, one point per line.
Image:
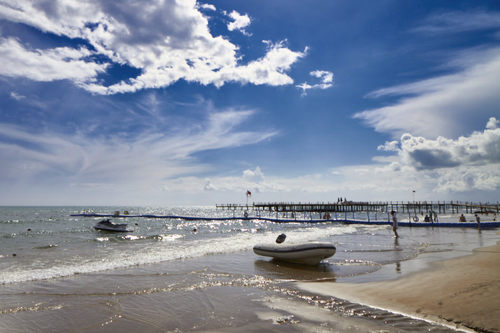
x=194 y=103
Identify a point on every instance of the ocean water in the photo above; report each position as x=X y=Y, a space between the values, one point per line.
x=178 y=275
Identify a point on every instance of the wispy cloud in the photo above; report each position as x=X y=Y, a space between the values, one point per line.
x=443 y=105
x=16 y=96
x=325 y=77
x=167 y=41
x=457 y=21
x=149 y=157
x=156 y=166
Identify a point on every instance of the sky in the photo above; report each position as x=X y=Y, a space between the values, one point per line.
x=178 y=103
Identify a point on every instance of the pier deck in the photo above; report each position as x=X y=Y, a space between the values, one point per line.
x=415 y=207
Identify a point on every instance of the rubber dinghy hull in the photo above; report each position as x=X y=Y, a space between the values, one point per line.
x=308 y=253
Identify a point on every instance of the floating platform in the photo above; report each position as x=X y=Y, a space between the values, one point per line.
x=484 y=225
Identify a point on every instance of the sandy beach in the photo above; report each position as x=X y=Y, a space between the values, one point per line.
x=463 y=292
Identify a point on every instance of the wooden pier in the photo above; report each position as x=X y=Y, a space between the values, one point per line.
x=410 y=207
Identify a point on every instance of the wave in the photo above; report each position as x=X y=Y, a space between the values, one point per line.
x=127 y=238
x=174 y=249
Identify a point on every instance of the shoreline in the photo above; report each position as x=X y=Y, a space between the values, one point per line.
x=462 y=292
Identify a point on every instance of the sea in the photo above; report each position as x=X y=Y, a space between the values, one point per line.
x=59 y=274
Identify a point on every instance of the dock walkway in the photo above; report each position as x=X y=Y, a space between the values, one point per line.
x=415 y=207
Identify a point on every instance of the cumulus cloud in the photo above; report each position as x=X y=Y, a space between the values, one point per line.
x=477 y=149
x=255 y=176
x=480 y=148
x=325 y=77
x=253 y=180
x=463 y=164
x=166 y=40
x=240 y=22
x=208 y=6
x=47 y=65
x=389 y=146
x=492 y=123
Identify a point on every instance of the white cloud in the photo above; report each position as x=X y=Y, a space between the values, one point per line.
x=446 y=105
x=47 y=65
x=240 y=22
x=479 y=148
x=437 y=169
x=103 y=161
x=166 y=40
x=492 y=123
x=152 y=168
x=16 y=96
x=466 y=164
x=326 y=78
x=389 y=146
x=449 y=104
x=255 y=176
x=208 y=6
x=209 y=186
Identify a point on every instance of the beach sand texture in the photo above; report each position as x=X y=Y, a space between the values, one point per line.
x=462 y=291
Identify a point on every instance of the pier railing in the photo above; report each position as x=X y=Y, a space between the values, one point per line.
x=415 y=207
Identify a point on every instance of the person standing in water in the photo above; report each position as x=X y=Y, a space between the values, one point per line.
x=394 y=224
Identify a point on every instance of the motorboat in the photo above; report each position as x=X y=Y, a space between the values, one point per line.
x=305 y=253
x=107 y=225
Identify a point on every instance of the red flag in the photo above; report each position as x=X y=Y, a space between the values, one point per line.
x=249 y=193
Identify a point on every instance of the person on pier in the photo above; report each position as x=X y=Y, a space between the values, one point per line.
x=394 y=224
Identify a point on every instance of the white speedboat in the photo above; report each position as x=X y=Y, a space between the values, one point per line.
x=306 y=253
x=107 y=225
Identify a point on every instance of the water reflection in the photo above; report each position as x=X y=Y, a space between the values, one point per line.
x=398 y=263
x=283 y=270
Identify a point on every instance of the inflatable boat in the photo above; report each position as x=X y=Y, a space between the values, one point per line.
x=308 y=253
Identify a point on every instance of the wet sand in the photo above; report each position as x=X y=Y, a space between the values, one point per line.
x=203 y=294
x=462 y=292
